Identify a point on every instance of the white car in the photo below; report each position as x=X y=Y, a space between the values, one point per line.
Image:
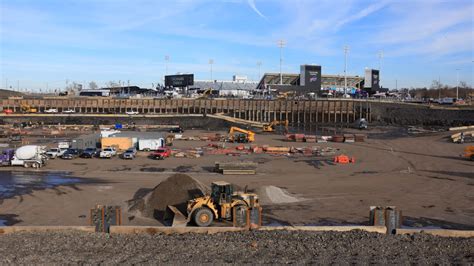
x=69 y=111
x=108 y=152
x=132 y=112
x=51 y=110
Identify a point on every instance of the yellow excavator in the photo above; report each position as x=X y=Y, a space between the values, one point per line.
x=240 y=135
x=223 y=204
x=205 y=94
x=271 y=127
x=25 y=108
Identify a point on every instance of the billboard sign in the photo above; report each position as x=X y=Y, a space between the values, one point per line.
x=310 y=77
x=179 y=80
x=372 y=79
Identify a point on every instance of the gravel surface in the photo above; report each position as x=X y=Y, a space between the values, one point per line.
x=270 y=247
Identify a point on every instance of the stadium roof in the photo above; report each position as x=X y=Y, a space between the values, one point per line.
x=224 y=85
x=294 y=79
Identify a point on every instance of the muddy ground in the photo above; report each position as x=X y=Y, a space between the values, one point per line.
x=423 y=176
x=270 y=247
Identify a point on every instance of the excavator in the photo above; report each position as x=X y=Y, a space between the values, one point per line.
x=25 y=108
x=240 y=135
x=285 y=95
x=223 y=204
x=271 y=127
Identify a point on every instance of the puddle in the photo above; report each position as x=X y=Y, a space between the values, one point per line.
x=14 y=183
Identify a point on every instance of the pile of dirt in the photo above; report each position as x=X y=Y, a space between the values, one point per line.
x=176 y=190
x=275 y=195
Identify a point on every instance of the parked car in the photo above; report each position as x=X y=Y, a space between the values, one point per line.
x=176 y=130
x=51 y=110
x=132 y=112
x=161 y=153
x=55 y=152
x=129 y=154
x=108 y=152
x=90 y=153
x=8 y=111
x=69 y=111
x=71 y=154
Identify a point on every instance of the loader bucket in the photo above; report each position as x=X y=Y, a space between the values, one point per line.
x=174 y=218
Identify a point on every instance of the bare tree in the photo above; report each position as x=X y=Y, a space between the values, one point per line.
x=93 y=85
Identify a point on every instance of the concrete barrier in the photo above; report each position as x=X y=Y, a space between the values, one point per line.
x=375 y=229
x=16 y=229
x=172 y=230
x=437 y=232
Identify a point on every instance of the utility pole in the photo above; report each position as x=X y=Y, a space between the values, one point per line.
x=396 y=85
x=457 y=84
x=6 y=84
x=167 y=59
x=281 y=44
x=346 y=50
x=259 y=64
x=211 y=61
x=18 y=85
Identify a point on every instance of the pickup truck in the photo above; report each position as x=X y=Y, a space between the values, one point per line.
x=108 y=152
x=161 y=153
x=55 y=152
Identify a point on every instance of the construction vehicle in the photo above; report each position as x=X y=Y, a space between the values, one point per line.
x=205 y=94
x=271 y=127
x=242 y=208
x=29 y=156
x=285 y=95
x=240 y=135
x=25 y=108
x=469 y=153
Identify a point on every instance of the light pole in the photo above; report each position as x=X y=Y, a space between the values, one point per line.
x=346 y=50
x=259 y=64
x=380 y=54
x=457 y=84
x=211 y=61
x=167 y=59
x=281 y=44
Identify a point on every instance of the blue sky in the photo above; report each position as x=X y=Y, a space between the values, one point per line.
x=51 y=42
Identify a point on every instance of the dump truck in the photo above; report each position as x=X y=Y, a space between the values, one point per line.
x=469 y=153
x=271 y=127
x=240 y=135
x=223 y=204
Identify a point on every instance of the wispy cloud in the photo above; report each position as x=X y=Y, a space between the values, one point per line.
x=254 y=7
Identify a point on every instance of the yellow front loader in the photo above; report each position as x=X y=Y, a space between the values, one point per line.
x=240 y=208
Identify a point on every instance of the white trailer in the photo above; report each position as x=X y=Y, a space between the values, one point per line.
x=150 y=144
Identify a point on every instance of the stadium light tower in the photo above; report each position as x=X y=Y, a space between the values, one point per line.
x=211 y=61
x=259 y=64
x=346 y=50
x=167 y=59
x=380 y=54
x=281 y=44
x=457 y=84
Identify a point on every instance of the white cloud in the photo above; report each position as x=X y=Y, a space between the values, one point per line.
x=254 y=7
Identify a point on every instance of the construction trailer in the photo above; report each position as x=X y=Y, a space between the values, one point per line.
x=120 y=143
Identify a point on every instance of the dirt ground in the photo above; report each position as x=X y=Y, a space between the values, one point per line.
x=423 y=176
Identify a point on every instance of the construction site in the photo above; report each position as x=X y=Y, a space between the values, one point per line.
x=270 y=178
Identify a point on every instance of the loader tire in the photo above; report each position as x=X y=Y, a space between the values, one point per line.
x=203 y=217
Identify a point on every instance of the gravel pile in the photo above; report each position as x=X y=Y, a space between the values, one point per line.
x=176 y=190
x=270 y=247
